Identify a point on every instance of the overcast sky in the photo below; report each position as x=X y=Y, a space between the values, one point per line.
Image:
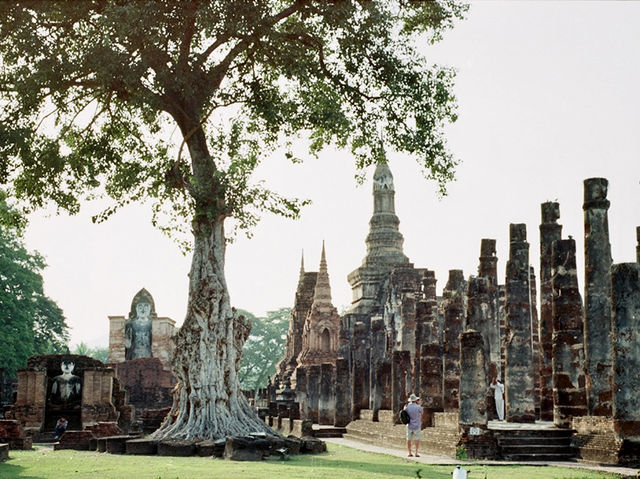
x=549 y=94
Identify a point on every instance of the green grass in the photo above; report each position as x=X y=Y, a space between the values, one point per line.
x=338 y=462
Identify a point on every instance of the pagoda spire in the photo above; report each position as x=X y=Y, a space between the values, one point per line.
x=301 y=278
x=322 y=293
x=384 y=242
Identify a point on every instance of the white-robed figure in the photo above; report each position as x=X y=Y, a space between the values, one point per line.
x=498 y=395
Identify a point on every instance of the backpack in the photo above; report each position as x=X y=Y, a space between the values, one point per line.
x=404 y=417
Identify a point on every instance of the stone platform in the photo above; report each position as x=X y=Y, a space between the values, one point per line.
x=595 y=442
x=539 y=441
x=440 y=439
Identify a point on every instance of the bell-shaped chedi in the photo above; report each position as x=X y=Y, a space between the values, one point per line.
x=322 y=326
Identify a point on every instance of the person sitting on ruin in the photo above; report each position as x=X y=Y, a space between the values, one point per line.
x=61 y=427
x=415 y=423
x=498 y=396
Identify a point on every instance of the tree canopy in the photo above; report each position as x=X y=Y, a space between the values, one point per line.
x=30 y=322
x=101 y=354
x=264 y=348
x=91 y=91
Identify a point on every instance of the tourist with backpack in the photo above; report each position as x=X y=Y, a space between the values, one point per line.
x=414 y=424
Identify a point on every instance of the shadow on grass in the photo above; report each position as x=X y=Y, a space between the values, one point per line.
x=11 y=471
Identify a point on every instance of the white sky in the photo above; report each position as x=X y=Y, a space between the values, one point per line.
x=549 y=94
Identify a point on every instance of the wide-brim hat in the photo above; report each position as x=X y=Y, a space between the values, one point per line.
x=413 y=398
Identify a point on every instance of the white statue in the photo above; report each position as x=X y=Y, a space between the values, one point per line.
x=66 y=387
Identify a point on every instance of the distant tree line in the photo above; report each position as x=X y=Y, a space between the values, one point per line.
x=264 y=348
x=30 y=322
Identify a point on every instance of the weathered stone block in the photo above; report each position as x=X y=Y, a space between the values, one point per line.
x=78 y=440
x=4 y=452
x=177 y=448
x=143 y=447
x=245 y=449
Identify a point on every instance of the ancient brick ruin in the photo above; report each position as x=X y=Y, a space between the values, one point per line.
x=398 y=338
x=140 y=350
x=79 y=388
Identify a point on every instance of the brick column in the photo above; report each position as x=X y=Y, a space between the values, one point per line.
x=597 y=296
x=400 y=379
x=378 y=355
x=313 y=392
x=343 y=393
x=535 y=336
x=625 y=281
x=360 y=365
x=550 y=231
x=301 y=392
x=519 y=374
x=453 y=307
x=327 y=398
x=488 y=268
x=473 y=380
x=569 y=394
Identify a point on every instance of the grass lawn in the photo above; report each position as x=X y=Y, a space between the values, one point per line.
x=338 y=462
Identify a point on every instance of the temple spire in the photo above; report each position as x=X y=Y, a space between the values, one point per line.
x=322 y=294
x=301 y=278
x=384 y=242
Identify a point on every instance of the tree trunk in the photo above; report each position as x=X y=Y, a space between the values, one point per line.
x=207 y=402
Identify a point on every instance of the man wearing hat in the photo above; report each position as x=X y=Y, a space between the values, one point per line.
x=414 y=410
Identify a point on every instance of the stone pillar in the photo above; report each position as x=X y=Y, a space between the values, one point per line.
x=473 y=380
x=301 y=392
x=327 y=398
x=597 y=295
x=360 y=369
x=378 y=355
x=569 y=393
x=550 y=231
x=424 y=314
x=400 y=379
x=479 y=305
x=453 y=302
x=313 y=392
x=625 y=283
x=519 y=374
x=342 y=394
x=535 y=336
x=488 y=268
x=430 y=382
x=502 y=321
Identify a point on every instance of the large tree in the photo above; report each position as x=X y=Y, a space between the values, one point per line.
x=91 y=91
x=30 y=322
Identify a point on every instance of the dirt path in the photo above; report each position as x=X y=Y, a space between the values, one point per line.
x=426 y=458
